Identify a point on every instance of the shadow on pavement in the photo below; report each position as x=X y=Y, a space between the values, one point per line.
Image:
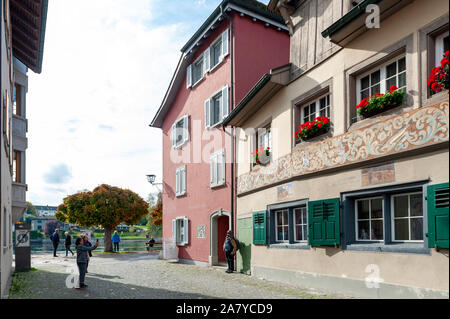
x=43 y=284
x=89 y=274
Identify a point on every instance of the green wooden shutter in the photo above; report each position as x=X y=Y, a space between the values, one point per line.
x=437 y=204
x=323 y=222
x=259 y=228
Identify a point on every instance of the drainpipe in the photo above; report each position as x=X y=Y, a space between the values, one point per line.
x=232 y=105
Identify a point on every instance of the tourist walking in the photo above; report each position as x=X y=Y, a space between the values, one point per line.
x=116 y=240
x=82 y=259
x=55 y=240
x=68 y=243
x=87 y=243
x=230 y=248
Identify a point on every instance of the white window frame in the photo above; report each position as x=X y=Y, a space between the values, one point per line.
x=199 y=59
x=439 y=47
x=223 y=40
x=185 y=132
x=408 y=217
x=205 y=59
x=217 y=170
x=316 y=102
x=223 y=94
x=303 y=223
x=179 y=230
x=382 y=68
x=264 y=137
x=220 y=59
x=369 y=219
x=180 y=181
x=284 y=240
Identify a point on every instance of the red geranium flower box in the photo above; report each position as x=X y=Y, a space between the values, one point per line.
x=439 y=78
x=380 y=102
x=261 y=156
x=310 y=129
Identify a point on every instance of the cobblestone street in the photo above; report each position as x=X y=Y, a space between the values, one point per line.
x=139 y=275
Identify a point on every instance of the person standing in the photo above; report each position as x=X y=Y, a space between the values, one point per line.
x=82 y=257
x=68 y=243
x=88 y=244
x=116 y=240
x=230 y=251
x=55 y=241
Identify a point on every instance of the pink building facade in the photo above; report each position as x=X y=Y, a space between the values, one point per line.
x=232 y=50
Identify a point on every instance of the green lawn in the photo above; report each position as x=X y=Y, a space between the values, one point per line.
x=124 y=235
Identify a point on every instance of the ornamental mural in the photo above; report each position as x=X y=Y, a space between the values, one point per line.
x=411 y=130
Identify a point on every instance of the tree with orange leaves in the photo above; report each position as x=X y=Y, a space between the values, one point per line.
x=156 y=212
x=105 y=206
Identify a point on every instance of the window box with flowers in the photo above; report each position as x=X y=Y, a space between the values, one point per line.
x=261 y=156
x=310 y=129
x=439 y=77
x=379 y=103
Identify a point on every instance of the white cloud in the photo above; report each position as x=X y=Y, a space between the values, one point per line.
x=105 y=66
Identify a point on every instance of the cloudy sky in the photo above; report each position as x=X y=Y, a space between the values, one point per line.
x=107 y=65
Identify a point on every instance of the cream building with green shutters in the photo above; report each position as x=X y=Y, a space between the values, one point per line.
x=362 y=208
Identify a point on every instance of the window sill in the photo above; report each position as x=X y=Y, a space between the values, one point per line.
x=379 y=117
x=436 y=98
x=412 y=248
x=215 y=125
x=176 y=147
x=180 y=195
x=316 y=139
x=217 y=185
x=303 y=246
x=221 y=61
x=196 y=83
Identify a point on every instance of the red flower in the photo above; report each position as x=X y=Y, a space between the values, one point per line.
x=393 y=88
x=319 y=125
x=436 y=87
x=446 y=53
x=444 y=62
x=296 y=134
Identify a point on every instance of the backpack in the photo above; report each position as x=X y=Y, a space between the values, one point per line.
x=237 y=244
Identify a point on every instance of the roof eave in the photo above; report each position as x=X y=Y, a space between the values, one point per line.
x=272 y=83
x=353 y=23
x=216 y=14
x=159 y=116
x=42 y=40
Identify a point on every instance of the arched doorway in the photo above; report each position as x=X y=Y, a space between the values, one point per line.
x=220 y=223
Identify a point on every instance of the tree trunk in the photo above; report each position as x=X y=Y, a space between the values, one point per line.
x=107 y=240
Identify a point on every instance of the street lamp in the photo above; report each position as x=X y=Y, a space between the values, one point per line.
x=151 y=179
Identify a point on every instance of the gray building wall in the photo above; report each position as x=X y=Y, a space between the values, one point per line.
x=6 y=169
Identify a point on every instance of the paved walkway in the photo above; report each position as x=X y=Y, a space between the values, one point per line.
x=140 y=275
